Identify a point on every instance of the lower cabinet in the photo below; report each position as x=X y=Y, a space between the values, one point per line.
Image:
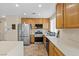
x=51 y=49
x=54 y=51
x=44 y=40
x=32 y=39
x=58 y=52
x=46 y=43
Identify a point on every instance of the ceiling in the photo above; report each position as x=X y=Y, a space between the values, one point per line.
x=28 y=10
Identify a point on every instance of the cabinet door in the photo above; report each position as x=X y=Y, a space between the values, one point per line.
x=71 y=15
x=57 y=52
x=54 y=51
x=51 y=49
x=26 y=20
x=32 y=39
x=40 y=21
x=59 y=15
x=44 y=40
x=46 y=24
x=36 y=21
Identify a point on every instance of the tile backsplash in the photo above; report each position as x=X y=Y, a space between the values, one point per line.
x=70 y=37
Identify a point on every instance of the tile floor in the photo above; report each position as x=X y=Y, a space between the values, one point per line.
x=36 y=49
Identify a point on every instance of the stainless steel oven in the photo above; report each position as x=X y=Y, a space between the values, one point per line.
x=38 y=35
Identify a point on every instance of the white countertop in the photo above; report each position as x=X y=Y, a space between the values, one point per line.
x=66 y=49
x=7 y=46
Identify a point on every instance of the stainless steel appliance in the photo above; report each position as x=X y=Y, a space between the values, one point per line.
x=47 y=45
x=24 y=33
x=38 y=35
x=38 y=32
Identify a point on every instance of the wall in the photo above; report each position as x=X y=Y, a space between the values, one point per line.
x=9 y=34
x=53 y=25
x=2 y=29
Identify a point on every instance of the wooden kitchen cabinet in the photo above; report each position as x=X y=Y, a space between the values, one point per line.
x=36 y=21
x=33 y=21
x=51 y=49
x=54 y=51
x=46 y=24
x=27 y=21
x=59 y=15
x=57 y=52
x=67 y=15
x=71 y=15
x=44 y=40
x=32 y=39
x=40 y=21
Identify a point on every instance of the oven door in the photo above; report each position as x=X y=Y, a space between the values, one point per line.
x=38 y=39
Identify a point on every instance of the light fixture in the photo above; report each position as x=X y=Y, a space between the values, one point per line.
x=24 y=13
x=17 y=5
x=40 y=5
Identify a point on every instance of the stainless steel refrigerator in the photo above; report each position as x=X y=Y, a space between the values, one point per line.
x=24 y=33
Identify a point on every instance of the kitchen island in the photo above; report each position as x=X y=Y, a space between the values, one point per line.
x=11 y=48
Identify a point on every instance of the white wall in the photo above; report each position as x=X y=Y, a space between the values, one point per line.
x=53 y=25
x=9 y=34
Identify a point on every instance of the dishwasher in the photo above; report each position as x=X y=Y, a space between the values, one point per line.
x=47 y=45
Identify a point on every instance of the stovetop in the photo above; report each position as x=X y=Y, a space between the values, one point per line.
x=38 y=33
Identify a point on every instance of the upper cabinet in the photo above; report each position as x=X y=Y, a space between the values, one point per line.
x=38 y=21
x=69 y=17
x=59 y=16
x=46 y=24
x=33 y=21
x=27 y=21
x=53 y=50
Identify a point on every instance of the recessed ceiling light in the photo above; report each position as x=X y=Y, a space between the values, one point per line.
x=40 y=5
x=17 y=5
x=3 y=16
x=24 y=13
